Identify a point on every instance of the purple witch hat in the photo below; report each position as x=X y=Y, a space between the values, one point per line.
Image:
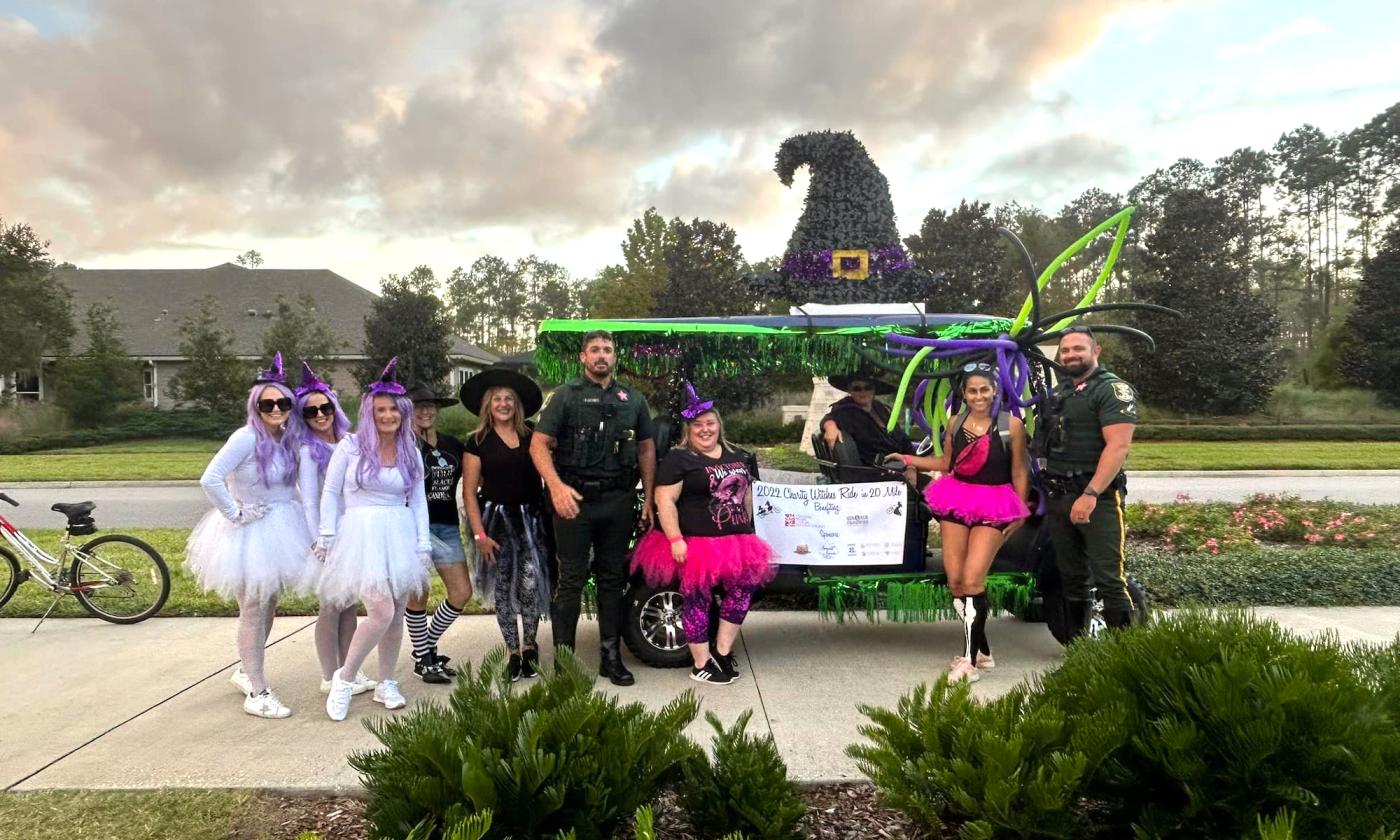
x=274 y=374
x=694 y=406
x=310 y=382
x=387 y=383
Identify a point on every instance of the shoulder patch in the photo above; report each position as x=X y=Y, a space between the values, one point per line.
x=1123 y=391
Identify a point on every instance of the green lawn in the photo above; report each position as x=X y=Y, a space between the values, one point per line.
x=1189 y=455
x=130 y=815
x=186 y=599
x=145 y=460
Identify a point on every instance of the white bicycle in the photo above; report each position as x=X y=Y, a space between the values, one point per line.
x=116 y=577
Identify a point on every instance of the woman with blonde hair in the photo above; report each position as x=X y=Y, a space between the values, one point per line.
x=504 y=501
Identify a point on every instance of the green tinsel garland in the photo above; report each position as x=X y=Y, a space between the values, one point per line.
x=731 y=349
x=913 y=597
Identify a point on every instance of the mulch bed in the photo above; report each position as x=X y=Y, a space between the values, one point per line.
x=834 y=812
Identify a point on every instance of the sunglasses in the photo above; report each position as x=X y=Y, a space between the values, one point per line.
x=855 y=388
x=324 y=409
x=268 y=406
x=976 y=366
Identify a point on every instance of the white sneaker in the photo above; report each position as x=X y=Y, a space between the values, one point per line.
x=241 y=682
x=338 y=698
x=964 y=670
x=265 y=705
x=985 y=662
x=361 y=684
x=387 y=692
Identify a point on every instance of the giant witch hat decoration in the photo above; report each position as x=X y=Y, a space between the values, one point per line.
x=845 y=248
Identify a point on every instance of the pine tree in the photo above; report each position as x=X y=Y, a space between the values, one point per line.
x=1221 y=357
x=93 y=385
x=409 y=321
x=213 y=378
x=1372 y=359
x=300 y=336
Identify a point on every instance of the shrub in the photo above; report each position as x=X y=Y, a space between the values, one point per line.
x=746 y=788
x=1154 y=431
x=759 y=432
x=554 y=756
x=141 y=425
x=1314 y=577
x=1198 y=725
x=1263 y=519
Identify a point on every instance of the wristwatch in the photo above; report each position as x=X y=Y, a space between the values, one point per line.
x=1090 y=491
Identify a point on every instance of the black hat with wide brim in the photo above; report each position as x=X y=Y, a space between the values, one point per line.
x=474 y=389
x=421 y=393
x=842 y=381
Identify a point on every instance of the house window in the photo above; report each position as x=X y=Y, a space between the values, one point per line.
x=148 y=384
x=27 y=386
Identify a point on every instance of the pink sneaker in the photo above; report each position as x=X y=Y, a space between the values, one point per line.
x=985 y=662
x=964 y=670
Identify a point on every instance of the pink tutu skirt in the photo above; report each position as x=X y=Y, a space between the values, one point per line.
x=994 y=505
x=736 y=560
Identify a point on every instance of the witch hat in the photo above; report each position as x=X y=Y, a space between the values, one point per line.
x=311 y=382
x=387 y=383
x=274 y=374
x=694 y=406
x=845 y=248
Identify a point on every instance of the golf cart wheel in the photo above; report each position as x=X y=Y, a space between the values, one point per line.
x=653 y=629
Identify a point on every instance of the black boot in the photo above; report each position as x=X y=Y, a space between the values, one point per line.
x=564 y=622
x=513 y=667
x=1118 y=618
x=610 y=664
x=1078 y=612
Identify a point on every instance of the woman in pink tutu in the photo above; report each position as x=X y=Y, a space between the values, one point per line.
x=980 y=501
x=706 y=537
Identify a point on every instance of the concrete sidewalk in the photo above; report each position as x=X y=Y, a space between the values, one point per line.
x=103 y=706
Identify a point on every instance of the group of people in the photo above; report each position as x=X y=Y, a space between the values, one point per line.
x=360 y=518
x=984 y=492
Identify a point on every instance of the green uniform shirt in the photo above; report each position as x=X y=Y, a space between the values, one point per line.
x=597 y=429
x=1101 y=400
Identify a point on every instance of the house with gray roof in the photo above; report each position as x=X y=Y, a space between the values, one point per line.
x=151 y=303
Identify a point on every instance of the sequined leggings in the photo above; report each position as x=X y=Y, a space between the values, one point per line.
x=695 y=611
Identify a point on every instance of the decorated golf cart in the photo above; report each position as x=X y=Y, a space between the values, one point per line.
x=846 y=250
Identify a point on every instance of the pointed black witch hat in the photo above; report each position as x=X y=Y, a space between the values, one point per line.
x=845 y=248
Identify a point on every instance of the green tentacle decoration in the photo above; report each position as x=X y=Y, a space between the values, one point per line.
x=904 y=385
x=1121 y=219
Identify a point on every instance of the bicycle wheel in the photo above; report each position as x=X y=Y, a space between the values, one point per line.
x=9 y=576
x=120 y=579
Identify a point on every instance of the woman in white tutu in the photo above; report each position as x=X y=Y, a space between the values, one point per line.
x=374 y=536
x=253 y=545
x=320 y=424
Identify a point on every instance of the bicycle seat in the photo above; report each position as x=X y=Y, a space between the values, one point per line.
x=75 y=509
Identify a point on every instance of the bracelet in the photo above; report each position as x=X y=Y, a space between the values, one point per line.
x=675 y=539
x=480 y=536
x=906 y=460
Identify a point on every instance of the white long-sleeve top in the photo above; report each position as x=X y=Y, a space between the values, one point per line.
x=342 y=484
x=309 y=488
x=231 y=480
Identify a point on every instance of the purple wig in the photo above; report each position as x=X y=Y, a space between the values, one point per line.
x=270 y=451
x=340 y=424
x=405 y=444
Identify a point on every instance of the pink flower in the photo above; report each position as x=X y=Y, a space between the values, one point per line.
x=1339 y=536
x=1313 y=538
x=1306 y=523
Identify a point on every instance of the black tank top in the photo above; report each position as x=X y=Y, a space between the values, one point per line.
x=996 y=469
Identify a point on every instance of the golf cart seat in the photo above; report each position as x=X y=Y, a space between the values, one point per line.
x=841 y=464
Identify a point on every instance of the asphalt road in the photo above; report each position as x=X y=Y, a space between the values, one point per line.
x=180 y=504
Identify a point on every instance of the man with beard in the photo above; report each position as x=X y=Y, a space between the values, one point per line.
x=592 y=440
x=1089 y=437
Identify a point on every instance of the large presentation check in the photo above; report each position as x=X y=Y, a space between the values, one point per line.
x=833 y=524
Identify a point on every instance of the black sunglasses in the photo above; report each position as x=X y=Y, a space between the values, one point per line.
x=280 y=404
x=325 y=409
x=862 y=387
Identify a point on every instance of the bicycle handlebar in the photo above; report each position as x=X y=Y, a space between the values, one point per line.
x=4 y=498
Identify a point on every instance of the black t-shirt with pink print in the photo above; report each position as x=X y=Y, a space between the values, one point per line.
x=714 y=498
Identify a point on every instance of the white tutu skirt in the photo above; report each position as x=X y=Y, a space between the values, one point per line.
x=261 y=560
x=375 y=554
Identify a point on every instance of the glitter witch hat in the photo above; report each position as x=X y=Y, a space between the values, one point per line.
x=310 y=382
x=845 y=247
x=273 y=375
x=388 y=383
x=694 y=406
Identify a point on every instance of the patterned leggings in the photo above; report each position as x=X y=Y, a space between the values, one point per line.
x=695 y=611
x=527 y=585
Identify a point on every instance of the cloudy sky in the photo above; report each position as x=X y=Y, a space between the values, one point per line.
x=371 y=137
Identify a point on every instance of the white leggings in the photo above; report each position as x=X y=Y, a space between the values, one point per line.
x=383 y=626
x=254 y=626
x=334 y=629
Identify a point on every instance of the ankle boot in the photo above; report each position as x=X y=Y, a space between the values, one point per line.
x=610 y=664
x=1118 y=618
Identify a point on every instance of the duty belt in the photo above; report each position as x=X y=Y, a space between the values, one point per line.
x=594 y=486
x=1073 y=483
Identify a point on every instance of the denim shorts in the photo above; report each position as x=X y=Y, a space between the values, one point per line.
x=447 y=545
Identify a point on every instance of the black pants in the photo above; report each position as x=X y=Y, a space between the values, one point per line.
x=1091 y=553
x=602 y=532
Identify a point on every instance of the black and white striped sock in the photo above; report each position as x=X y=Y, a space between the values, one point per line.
x=417 y=622
x=443 y=617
